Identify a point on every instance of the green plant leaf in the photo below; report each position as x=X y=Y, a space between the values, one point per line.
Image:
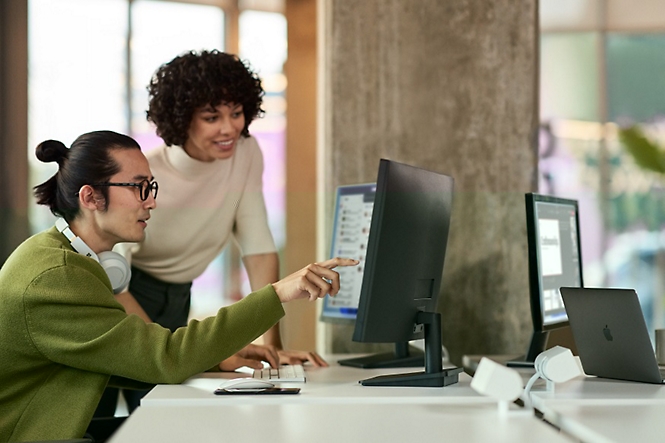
x=645 y=153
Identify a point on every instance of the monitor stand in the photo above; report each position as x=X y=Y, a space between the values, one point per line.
x=537 y=345
x=405 y=356
x=434 y=374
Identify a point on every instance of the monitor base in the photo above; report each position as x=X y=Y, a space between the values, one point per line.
x=412 y=359
x=520 y=362
x=434 y=375
x=419 y=379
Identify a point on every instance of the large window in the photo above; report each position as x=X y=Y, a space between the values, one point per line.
x=160 y=31
x=90 y=62
x=76 y=76
x=602 y=70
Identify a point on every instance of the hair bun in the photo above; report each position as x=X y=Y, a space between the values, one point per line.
x=52 y=151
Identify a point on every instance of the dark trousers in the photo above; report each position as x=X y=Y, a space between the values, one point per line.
x=167 y=304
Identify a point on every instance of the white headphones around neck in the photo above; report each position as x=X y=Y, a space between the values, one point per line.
x=114 y=264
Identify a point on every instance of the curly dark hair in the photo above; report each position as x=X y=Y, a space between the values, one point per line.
x=196 y=79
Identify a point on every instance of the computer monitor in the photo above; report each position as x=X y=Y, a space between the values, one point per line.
x=555 y=260
x=351 y=225
x=403 y=268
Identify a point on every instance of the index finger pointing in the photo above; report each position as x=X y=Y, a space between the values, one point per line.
x=338 y=261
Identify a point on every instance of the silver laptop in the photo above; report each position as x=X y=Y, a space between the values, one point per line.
x=610 y=333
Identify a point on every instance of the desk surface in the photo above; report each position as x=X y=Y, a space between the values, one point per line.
x=593 y=390
x=335 y=384
x=598 y=423
x=602 y=410
x=331 y=407
x=351 y=422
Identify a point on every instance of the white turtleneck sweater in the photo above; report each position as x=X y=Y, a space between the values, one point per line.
x=200 y=206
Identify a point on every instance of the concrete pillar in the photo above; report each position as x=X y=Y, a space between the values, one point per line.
x=449 y=86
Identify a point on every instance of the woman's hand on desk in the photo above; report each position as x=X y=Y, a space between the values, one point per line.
x=300 y=357
x=315 y=280
x=251 y=356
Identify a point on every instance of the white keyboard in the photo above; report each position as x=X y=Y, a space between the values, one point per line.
x=285 y=373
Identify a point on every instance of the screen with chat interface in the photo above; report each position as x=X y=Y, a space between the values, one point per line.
x=352 y=218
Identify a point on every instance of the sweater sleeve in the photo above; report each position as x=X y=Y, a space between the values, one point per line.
x=73 y=319
x=251 y=229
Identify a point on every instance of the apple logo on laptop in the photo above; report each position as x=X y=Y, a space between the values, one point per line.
x=607 y=333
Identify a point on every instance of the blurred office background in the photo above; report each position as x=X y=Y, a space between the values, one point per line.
x=90 y=63
x=601 y=64
x=602 y=67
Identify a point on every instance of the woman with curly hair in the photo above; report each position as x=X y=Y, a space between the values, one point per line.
x=210 y=175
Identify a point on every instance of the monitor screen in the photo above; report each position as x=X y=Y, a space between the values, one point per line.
x=555 y=260
x=403 y=268
x=351 y=223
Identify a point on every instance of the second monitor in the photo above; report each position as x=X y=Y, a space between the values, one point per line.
x=555 y=260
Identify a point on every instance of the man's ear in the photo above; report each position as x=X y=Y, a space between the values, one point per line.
x=90 y=198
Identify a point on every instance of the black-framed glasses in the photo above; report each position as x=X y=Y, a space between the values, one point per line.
x=145 y=187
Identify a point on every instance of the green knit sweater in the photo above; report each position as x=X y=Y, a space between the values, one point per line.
x=62 y=335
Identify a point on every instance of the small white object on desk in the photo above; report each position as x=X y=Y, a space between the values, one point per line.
x=555 y=365
x=497 y=381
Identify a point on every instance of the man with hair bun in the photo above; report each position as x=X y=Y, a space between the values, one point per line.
x=63 y=335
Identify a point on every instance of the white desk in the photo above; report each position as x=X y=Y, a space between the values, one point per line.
x=331 y=407
x=619 y=423
x=335 y=384
x=602 y=410
x=592 y=390
x=318 y=422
